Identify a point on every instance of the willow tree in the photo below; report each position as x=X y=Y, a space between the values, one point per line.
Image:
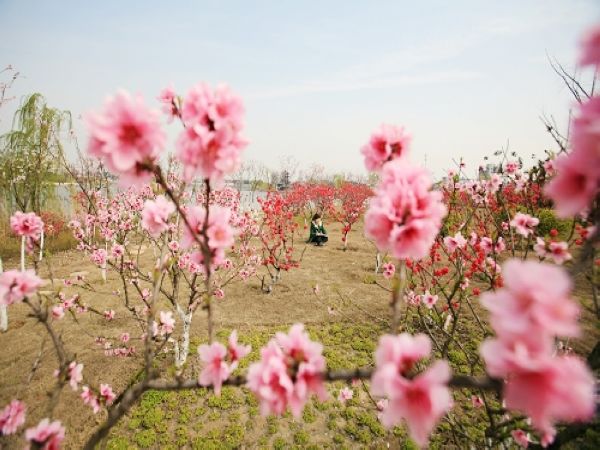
x=30 y=154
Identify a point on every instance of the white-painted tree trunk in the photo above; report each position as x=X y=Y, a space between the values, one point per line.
x=3 y=311
x=41 y=245
x=346 y=241
x=377 y=262
x=182 y=347
x=448 y=322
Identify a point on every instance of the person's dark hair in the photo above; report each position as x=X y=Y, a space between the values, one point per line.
x=316 y=216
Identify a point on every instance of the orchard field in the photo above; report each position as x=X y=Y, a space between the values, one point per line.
x=459 y=312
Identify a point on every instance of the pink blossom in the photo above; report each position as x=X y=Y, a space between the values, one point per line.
x=214 y=370
x=524 y=224
x=89 y=398
x=12 y=417
x=590 y=48
x=421 y=400
x=532 y=308
x=512 y=167
x=455 y=242
x=169 y=107
x=388 y=143
x=486 y=245
x=219 y=293
x=493 y=183
x=58 y=312
x=578 y=174
x=117 y=250
x=236 y=351
x=402 y=351
x=288 y=372
x=47 y=435
x=540 y=247
x=211 y=144
x=16 y=285
x=270 y=381
x=98 y=257
x=220 y=233
x=29 y=225
x=109 y=314
x=107 y=393
x=389 y=269
x=476 y=401
x=155 y=215
x=559 y=251
x=174 y=246
x=500 y=246
x=75 y=375
x=167 y=322
x=558 y=389
x=405 y=215
x=345 y=394
x=125 y=338
x=535 y=301
x=127 y=136
x=520 y=437
x=429 y=300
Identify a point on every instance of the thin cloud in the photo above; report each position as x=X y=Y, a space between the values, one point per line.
x=364 y=84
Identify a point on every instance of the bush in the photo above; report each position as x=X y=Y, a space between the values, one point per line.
x=549 y=221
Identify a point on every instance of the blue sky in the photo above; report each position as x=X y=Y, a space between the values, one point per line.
x=464 y=77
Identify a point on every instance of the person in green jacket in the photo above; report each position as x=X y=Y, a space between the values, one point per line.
x=318 y=234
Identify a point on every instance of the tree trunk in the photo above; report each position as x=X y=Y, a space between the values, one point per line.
x=182 y=348
x=3 y=312
x=41 y=245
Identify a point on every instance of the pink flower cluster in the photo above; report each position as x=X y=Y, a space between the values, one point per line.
x=558 y=251
x=210 y=145
x=389 y=142
x=75 y=375
x=166 y=324
x=389 y=269
x=578 y=174
x=590 y=46
x=12 y=417
x=455 y=242
x=219 y=232
x=28 y=224
x=527 y=314
x=524 y=224
x=405 y=215
x=127 y=137
x=289 y=371
x=90 y=398
x=155 y=215
x=16 y=285
x=220 y=361
x=46 y=435
x=419 y=400
x=98 y=257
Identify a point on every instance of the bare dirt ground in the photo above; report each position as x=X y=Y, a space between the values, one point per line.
x=339 y=274
x=197 y=419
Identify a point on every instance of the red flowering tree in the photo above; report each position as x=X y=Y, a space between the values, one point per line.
x=351 y=203
x=276 y=234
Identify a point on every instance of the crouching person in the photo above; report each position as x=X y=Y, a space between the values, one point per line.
x=318 y=234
